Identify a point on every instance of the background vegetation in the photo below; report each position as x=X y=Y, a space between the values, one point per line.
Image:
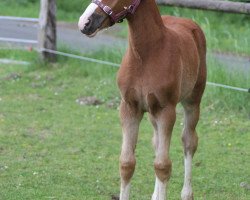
x=225 y=32
x=51 y=147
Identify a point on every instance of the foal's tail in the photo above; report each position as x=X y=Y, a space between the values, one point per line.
x=200 y=41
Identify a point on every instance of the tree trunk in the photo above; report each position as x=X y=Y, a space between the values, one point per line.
x=47 y=29
x=224 y=6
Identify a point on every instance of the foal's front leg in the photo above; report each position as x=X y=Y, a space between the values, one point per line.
x=163 y=123
x=130 y=120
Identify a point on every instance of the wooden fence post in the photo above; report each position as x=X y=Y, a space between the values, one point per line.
x=47 y=29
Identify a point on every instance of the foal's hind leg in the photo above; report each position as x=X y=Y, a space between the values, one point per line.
x=130 y=120
x=190 y=143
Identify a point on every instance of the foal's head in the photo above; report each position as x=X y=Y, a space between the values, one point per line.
x=102 y=14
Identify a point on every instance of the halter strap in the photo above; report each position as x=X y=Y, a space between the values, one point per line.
x=117 y=18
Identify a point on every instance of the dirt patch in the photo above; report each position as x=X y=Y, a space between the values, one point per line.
x=113 y=103
x=245 y=185
x=90 y=101
x=13 y=76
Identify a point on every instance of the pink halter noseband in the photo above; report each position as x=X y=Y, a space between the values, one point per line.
x=118 y=18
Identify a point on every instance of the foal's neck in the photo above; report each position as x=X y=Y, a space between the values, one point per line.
x=145 y=28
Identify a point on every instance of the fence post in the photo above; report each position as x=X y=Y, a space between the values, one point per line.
x=47 y=29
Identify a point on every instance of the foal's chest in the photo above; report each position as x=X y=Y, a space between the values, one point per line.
x=146 y=88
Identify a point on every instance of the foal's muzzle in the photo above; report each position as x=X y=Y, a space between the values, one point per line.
x=95 y=22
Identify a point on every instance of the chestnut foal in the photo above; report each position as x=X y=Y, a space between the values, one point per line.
x=165 y=63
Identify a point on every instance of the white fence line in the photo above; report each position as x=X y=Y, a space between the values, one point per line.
x=13 y=62
x=80 y=57
x=228 y=87
x=23 y=19
x=106 y=62
x=117 y=65
x=18 y=40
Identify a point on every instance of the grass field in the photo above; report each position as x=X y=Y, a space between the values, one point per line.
x=53 y=148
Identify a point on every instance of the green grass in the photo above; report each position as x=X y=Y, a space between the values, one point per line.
x=66 y=10
x=53 y=148
x=225 y=32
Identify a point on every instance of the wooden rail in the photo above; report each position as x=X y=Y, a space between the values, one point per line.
x=222 y=6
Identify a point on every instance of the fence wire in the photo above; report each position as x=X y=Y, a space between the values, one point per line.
x=88 y=59
x=117 y=65
x=23 y=19
x=80 y=57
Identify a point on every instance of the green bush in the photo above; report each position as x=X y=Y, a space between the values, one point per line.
x=69 y=6
x=20 y=2
x=72 y=6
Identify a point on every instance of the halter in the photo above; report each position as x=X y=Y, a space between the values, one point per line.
x=118 y=18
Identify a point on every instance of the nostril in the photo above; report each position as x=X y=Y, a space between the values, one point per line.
x=88 y=23
x=86 y=27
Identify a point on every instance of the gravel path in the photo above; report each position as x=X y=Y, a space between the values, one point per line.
x=69 y=36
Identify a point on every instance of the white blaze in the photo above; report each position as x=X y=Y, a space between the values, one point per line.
x=85 y=16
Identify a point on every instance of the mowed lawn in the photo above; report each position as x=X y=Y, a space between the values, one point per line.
x=51 y=147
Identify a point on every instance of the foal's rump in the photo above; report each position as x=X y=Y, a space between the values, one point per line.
x=193 y=54
x=182 y=25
